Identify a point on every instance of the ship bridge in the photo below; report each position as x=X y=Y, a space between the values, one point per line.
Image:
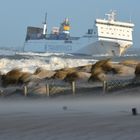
x=110 y=29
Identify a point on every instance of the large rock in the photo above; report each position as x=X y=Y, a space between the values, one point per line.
x=25 y=78
x=86 y=68
x=137 y=70
x=70 y=77
x=131 y=63
x=62 y=73
x=17 y=77
x=98 y=75
x=43 y=73
x=11 y=78
x=123 y=70
x=105 y=65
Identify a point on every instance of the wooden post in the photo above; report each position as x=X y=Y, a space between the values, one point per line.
x=25 y=90
x=73 y=85
x=134 y=111
x=48 y=90
x=104 y=86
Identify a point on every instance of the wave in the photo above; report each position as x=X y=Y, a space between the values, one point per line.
x=42 y=54
x=127 y=55
x=29 y=61
x=49 y=63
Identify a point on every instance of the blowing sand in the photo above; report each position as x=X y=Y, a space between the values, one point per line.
x=102 y=117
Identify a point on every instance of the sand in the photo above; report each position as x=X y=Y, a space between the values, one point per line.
x=99 y=117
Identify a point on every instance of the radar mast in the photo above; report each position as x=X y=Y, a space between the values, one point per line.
x=45 y=25
x=112 y=15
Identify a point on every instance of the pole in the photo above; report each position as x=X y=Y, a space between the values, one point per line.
x=134 y=111
x=25 y=90
x=104 y=86
x=48 y=90
x=73 y=87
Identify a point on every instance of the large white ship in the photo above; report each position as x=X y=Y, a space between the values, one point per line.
x=108 y=36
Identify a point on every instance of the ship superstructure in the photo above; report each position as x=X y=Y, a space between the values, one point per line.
x=114 y=31
x=108 y=36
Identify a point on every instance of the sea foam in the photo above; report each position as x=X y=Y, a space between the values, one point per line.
x=30 y=61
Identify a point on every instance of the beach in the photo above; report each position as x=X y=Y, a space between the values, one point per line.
x=101 y=117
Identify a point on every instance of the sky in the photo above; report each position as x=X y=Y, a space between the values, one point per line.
x=16 y=15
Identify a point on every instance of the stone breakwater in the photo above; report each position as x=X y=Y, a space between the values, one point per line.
x=48 y=82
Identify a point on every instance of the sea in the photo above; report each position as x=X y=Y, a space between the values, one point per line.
x=29 y=62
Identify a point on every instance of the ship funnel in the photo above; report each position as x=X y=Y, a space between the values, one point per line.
x=66 y=26
x=45 y=25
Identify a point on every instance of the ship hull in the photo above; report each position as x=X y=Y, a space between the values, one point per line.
x=86 y=47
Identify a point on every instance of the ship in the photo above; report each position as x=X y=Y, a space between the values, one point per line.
x=107 y=36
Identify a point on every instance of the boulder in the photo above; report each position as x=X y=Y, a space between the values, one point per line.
x=137 y=70
x=105 y=65
x=43 y=73
x=25 y=78
x=11 y=78
x=123 y=70
x=86 y=68
x=98 y=75
x=131 y=63
x=77 y=76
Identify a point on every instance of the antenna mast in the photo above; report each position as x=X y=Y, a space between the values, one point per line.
x=45 y=25
x=130 y=18
x=112 y=15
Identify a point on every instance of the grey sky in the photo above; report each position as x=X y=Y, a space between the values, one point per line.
x=16 y=15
